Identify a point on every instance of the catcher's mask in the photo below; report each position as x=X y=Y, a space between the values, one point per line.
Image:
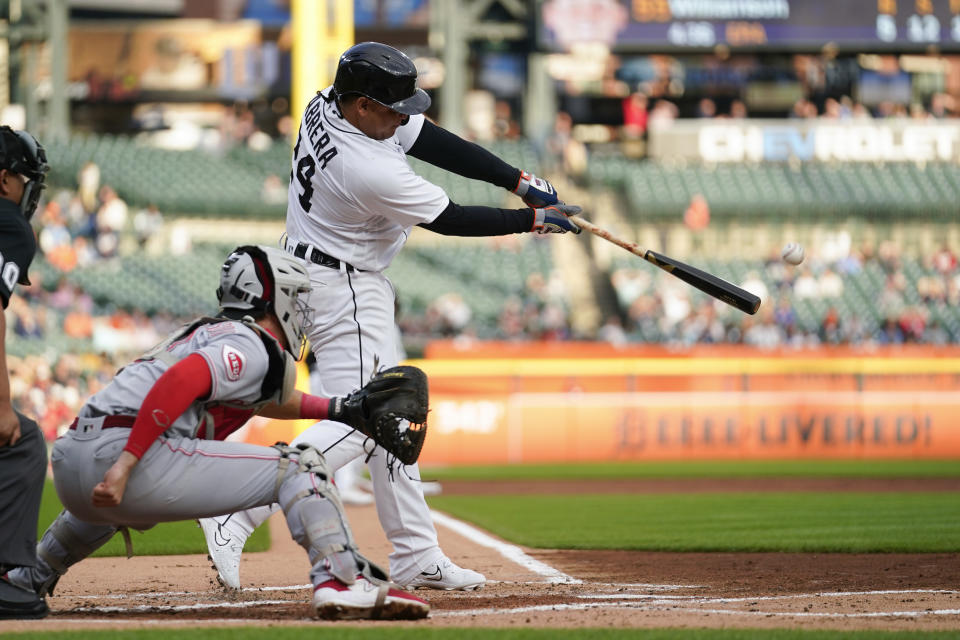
x=383 y=74
x=21 y=153
x=260 y=279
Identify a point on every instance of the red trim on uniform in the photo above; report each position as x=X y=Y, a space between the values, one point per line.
x=314 y=407
x=523 y=174
x=210 y=454
x=180 y=386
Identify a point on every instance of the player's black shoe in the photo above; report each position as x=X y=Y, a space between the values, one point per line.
x=19 y=603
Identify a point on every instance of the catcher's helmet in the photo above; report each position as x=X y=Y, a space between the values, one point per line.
x=383 y=74
x=258 y=279
x=21 y=153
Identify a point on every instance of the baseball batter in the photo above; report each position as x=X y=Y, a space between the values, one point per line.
x=23 y=452
x=353 y=199
x=148 y=447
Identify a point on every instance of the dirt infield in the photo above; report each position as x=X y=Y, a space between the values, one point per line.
x=545 y=588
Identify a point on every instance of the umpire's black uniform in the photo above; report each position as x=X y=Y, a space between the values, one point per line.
x=23 y=466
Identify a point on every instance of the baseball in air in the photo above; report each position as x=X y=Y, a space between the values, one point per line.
x=792 y=253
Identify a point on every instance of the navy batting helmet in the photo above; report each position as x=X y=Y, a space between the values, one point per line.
x=383 y=74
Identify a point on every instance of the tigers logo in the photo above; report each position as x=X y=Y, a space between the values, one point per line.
x=234 y=362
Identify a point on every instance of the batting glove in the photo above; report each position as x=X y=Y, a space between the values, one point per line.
x=536 y=192
x=554 y=219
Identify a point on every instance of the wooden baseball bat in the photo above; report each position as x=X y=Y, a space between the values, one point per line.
x=708 y=283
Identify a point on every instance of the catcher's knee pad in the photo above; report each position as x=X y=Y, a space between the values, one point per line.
x=307 y=460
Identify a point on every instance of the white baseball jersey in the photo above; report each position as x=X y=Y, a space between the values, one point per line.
x=356 y=198
x=238 y=362
x=353 y=197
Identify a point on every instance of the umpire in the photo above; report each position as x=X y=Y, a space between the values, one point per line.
x=23 y=452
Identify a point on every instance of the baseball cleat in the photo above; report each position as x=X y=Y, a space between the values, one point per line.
x=19 y=603
x=363 y=600
x=446 y=576
x=225 y=546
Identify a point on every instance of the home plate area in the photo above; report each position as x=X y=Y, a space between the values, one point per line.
x=536 y=588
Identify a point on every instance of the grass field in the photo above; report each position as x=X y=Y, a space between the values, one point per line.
x=703 y=469
x=795 y=521
x=746 y=521
x=789 y=521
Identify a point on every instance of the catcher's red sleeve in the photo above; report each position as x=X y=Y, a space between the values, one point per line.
x=179 y=387
x=314 y=407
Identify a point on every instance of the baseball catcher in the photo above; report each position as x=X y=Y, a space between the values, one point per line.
x=149 y=447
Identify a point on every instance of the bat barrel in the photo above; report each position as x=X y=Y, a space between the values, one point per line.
x=706 y=282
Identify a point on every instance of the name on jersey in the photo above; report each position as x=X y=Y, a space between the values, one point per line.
x=317 y=133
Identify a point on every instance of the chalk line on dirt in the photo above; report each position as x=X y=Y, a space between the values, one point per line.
x=180 y=607
x=627 y=604
x=509 y=551
x=706 y=599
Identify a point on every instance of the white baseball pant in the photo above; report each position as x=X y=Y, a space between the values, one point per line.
x=353 y=333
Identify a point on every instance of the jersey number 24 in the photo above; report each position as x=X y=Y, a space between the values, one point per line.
x=303 y=170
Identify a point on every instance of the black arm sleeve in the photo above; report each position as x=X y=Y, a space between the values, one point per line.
x=480 y=221
x=443 y=149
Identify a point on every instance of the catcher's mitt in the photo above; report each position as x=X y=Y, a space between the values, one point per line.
x=381 y=406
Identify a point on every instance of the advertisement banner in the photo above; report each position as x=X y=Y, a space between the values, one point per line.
x=732 y=404
x=594 y=427
x=735 y=141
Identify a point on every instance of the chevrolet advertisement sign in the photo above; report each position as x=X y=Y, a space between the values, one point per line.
x=719 y=141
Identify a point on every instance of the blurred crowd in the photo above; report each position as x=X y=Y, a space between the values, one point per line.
x=804 y=306
x=79 y=227
x=641 y=113
x=540 y=312
x=76 y=229
x=53 y=391
x=659 y=308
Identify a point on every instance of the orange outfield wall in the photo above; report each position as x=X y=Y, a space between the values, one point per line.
x=501 y=404
x=506 y=403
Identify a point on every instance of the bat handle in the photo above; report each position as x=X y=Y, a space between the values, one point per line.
x=632 y=247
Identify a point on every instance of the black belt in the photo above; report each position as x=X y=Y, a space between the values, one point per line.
x=316 y=256
x=112 y=422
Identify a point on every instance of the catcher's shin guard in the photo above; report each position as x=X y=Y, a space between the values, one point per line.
x=317 y=522
x=66 y=542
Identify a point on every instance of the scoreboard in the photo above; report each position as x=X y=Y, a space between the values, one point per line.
x=789 y=25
